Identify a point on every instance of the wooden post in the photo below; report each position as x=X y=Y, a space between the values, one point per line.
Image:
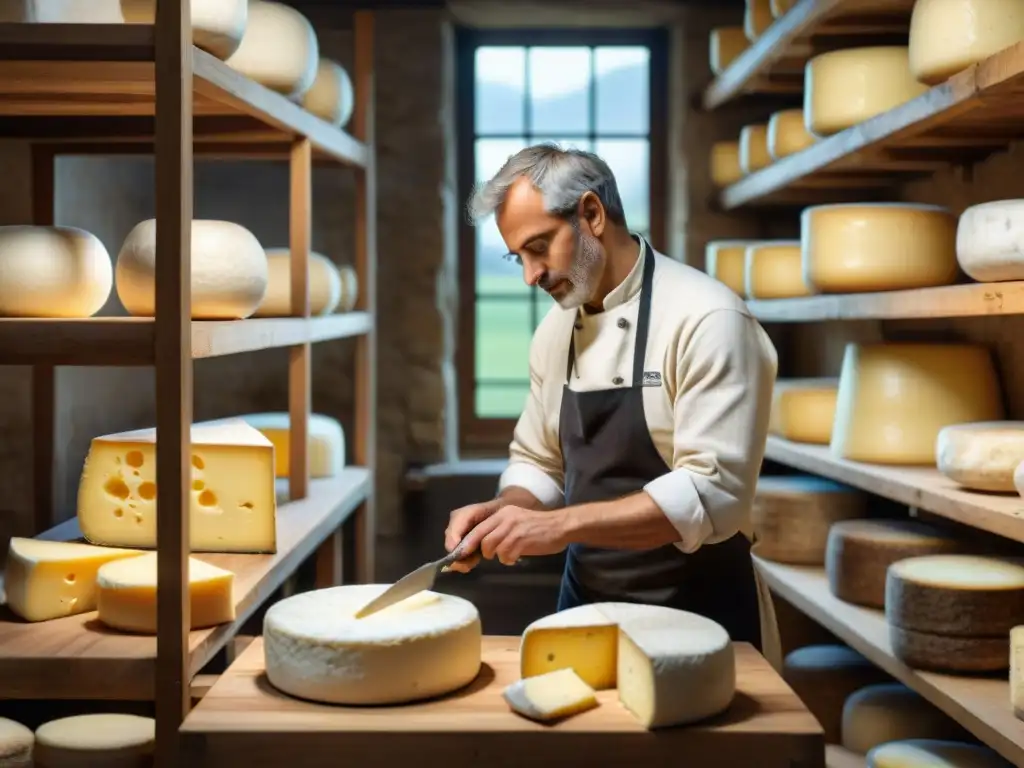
x=300 y=236
x=44 y=377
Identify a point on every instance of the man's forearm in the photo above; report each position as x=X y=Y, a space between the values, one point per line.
x=632 y=522
x=518 y=496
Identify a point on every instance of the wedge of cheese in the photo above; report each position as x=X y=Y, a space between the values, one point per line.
x=550 y=696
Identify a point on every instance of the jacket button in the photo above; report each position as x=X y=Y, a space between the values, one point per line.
x=577 y=326
x=617 y=380
x=623 y=323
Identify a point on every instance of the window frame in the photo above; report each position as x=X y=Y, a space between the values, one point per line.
x=487 y=436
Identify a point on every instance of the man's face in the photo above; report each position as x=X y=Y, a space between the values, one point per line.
x=563 y=260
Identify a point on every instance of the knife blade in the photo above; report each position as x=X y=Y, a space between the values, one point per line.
x=412 y=583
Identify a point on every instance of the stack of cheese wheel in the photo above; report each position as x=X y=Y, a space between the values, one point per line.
x=894 y=398
x=325 y=288
x=981 y=457
x=96 y=740
x=217 y=25
x=725 y=46
x=803 y=410
x=886 y=712
x=725 y=163
x=754 y=148
x=331 y=97
x=948 y=36
x=787 y=133
x=849 y=248
x=724 y=260
x=279 y=49
x=772 y=270
x=859 y=553
x=954 y=613
x=326 y=453
x=933 y=753
x=757 y=17
x=990 y=241
x=16 y=742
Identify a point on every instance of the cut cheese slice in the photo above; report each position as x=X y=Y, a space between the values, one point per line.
x=279 y=49
x=990 y=241
x=934 y=753
x=671 y=667
x=233 y=505
x=850 y=248
x=887 y=712
x=754 y=148
x=108 y=740
x=324 y=285
x=331 y=96
x=779 y=7
x=773 y=270
x=948 y=36
x=725 y=163
x=724 y=260
x=787 y=134
x=550 y=696
x=803 y=410
x=127 y=594
x=982 y=457
x=725 y=46
x=792 y=514
x=424 y=646
x=217 y=25
x=894 y=399
x=860 y=551
x=16 y=743
x=326 y=456
x=845 y=87
x=1017 y=671
x=757 y=18
x=49 y=579
x=952 y=655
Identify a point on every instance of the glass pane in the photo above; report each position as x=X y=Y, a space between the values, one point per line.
x=503 y=336
x=559 y=90
x=629 y=160
x=500 y=401
x=576 y=143
x=623 y=79
x=491 y=154
x=493 y=273
x=500 y=89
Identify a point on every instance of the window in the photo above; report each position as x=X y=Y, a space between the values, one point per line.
x=593 y=90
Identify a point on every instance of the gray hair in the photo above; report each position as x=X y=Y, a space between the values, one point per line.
x=563 y=177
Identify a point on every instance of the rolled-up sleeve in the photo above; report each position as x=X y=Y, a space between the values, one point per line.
x=725 y=373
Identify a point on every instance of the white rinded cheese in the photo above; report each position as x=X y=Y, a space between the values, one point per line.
x=757 y=17
x=886 y=712
x=96 y=740
x=331 y=97
x=934 y=753
x=725 y=45
x=849 y=248
x=550 y=696
x=670 y=667
x=990 y=241
x=278 y=50
x=61 y=11
x=772 y=270
x=845 y=87
x=49 y=579
x=948 y=36
x=1017 y=671
x=803 y=410
x=326 y=452
x=324 y=285
x=725 y=163
x=217 y=25
x=754 y=148
x=791 y=516
x=981 y=457
x=724 y=260
x=52 y=272
x=779 y=7
x=16 y=743
x=127 y=594
x=233 y=505
x=894 y=398
x=787 y=133
x=229 y=270
x=426 y=645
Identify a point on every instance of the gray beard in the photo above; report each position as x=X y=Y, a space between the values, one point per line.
x=584 y=272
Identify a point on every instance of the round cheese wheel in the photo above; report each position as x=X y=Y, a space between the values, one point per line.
x=787 y=133
x=754 y=148
x=326 y=452
x=982 y=457
x=934 y=753
x=943 y=653
x=885 y=712
x=15 y=744
x=859 y=552
x=990 y=241
x=779 y=7
x=331 y=96
x=324 y=285
x=278 y=50
x=725 y=163
x=349 y=288
x=426 y=645
x=725 y=46
x=110 y=740
x=229 y=270
x=846 y=87
x=217 y=25
x=52 y=272
x=757 y=18
x=849 y=248
x=773 y=270
x=724 y=260
x=948 y=36
x=803 y=410
x=894 y=398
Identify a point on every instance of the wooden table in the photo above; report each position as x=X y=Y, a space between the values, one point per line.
x=244 y=721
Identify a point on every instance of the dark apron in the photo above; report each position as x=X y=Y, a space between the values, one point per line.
x=607 y=453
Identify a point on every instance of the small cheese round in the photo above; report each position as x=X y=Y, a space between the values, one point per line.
x=725 y=163
x=324 y=285
x=772 y=270
x=15 y=744
x=110 y=740
x=803 y=410
x=982 y=457
x=426 y=645
x=845 y=87
x=52 y=272
x=948 y=36
x=1017 y=671
x=217 y=25
x=787 y=133
x=885 y=712
x=933 y=753
x=757 y=18
x=279 y=49
x=849 y=248
x=754 y=148
x=725 y=46
x=990 y=241
x=779 y=7
x=349 y=288
x=724 y=260
x=229 y=270
x=943 y=653
x=331 y=96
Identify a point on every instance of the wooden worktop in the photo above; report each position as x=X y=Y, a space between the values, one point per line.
x=244 y=721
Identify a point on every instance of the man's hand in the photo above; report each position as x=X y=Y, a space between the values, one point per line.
x=514 y=532
x=461 y=522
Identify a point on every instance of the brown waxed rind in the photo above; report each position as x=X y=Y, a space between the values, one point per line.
x=939 y=653
x=973 y=613
x=788 y=529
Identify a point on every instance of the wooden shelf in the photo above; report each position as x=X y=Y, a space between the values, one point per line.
x=922 y=487
x=971 y=115
x=980 y=704
x=79 y=658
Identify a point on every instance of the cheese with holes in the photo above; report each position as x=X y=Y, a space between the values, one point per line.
x=754 y=148
x=990 y=241
x=60 y=272
x=859 y=552
x=424 y=646
x=779 y=7
x=982 y=457
x=886 y=712
x=757 y=17
x=550 y=696
x=725 y=163
x=127 y=594
x=894 y=398
x=850 y=248
x=724 y=260
x=279 y=49
x=49 y=579
x=96 y=740
x=791 y=516
x=217 y=25
x=934 y=753
x=803 y=409
x=1017 y=671
x=948 y=36
x=324 y=285
x=229 y=271
x=331 y=97
x=772 y=270
x=787 y=133
x=936 y=652
x=845 y=87
x=725 y=46
x=232 y=501
x=326 y=452
x=671 y=667
x=16 y=743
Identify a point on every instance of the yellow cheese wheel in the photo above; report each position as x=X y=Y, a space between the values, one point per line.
x=725 y=163
x=934 y=753
x=331 y=97
x=773 y=270
x=982 y=457
x=803 y=410
x=754 y=148
x=757 y=17
x=787 y=133
x=724 y=260
x=725 y=45
x=779 y=7
x=108 y=740
x=325 y=288
x=886 y=712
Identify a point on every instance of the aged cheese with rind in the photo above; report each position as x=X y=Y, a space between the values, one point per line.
x=803 y=410
x=551 y=696
x=326 y=453
x=945 y=653
x=1017 y=671
x=324 y=282
x=107 y=740
x=787 y=134
x=934 y=753
x=724 y=260
x=754 y=148
x=856 y=247
x=331 y=97
x=724 y=46
x=279 y=49
x=426 y=645
x=217 y=25
x=990 y=241
x=725 y=163
x=757 y=17
x=982 y=457
x=885 y=712
x=894 y=398
x=772 y=270
x=16 y=742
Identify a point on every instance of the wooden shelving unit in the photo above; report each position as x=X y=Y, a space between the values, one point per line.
x=114 y=89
